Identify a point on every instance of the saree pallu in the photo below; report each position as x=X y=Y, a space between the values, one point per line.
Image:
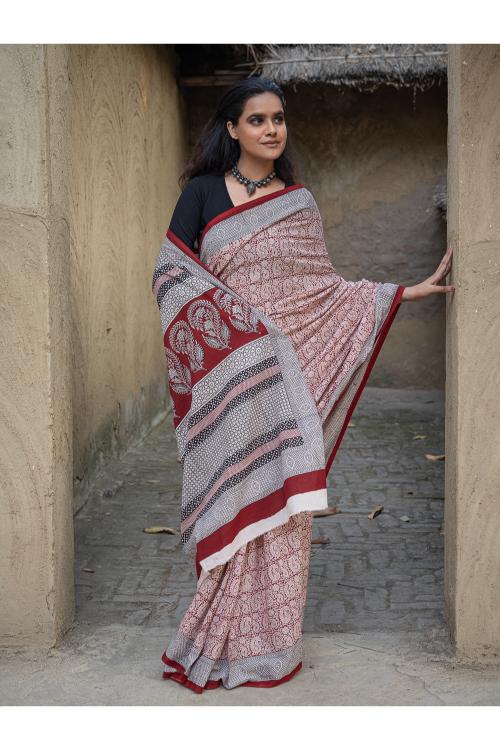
x=268 y=350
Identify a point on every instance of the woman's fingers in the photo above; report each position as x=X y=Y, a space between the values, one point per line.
x=437 y=276
x=449 y=288
x=444 y=272
x=446 y=260
x=431 y=285
x=444 y=266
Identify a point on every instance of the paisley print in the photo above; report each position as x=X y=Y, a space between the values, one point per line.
x=182 y=340
x=204 y=317
x=242 y=316
x=178 y=374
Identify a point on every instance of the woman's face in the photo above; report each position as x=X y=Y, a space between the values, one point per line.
x=261 y=129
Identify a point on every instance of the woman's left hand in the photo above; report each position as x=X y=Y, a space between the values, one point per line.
x=431 y=285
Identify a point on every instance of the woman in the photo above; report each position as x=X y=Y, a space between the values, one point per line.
x=268 y=350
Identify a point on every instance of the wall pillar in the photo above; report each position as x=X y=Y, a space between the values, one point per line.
x=472 y=472
x=36 y=522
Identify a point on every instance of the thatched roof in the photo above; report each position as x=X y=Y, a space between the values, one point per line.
x=360 y=66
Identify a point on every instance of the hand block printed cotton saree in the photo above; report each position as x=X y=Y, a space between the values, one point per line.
x=268 y=350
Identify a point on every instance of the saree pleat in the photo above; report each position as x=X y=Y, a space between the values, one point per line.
x=244 y=624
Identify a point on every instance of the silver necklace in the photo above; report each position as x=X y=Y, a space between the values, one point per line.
x=251 y=185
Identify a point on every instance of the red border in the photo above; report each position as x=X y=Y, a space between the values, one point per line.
x=260 y=509
x=379 y=341
x=180 y=677
x=185 y=248
x=247 y=204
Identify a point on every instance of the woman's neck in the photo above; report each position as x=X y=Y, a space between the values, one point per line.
x=255 y=170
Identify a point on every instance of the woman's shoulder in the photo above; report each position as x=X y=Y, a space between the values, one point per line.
x=201 y=183
x=297 y=183
x=310 y=199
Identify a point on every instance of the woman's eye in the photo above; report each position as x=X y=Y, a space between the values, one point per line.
x=258 y=120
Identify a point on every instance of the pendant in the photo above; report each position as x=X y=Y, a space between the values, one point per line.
x=251 y=188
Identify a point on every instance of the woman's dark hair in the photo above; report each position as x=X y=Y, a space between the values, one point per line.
x=215 y=151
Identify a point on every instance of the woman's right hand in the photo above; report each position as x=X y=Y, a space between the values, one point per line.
x=431 y=285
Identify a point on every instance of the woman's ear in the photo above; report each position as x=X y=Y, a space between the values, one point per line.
x=230 y=128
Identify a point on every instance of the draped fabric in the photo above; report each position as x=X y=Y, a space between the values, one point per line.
x=268 y=350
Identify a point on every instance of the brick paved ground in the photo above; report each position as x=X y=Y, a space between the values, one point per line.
x=384 y=574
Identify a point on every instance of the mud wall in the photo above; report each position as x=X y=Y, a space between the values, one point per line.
x=127 y=152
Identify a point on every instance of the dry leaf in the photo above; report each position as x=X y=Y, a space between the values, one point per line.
x=441 y=529
x=378 y=509
x=320 y=540
x=432 y=457
x=152 y=481
x=404 y=518
x=326 y=512
x=179 y=459
x=351 y=424
x=419 y=437
x=160 y=530
x=88 y=570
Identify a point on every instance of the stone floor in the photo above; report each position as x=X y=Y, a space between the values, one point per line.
x=374 y=630
x=381 y=574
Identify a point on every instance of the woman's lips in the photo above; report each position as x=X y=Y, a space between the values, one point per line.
x=275 y=143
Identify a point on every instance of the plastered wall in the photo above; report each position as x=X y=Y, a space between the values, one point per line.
x=127 y=152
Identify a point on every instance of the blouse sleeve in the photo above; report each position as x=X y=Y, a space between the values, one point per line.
x=186 y=218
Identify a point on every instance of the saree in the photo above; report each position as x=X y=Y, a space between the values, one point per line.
x=268 y=349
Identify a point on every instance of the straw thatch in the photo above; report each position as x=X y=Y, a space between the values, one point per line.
x=359 y=66
x=440 y=199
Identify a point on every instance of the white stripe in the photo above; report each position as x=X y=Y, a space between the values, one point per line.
x=313 y=500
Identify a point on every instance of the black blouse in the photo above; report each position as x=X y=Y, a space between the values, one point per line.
x=204 y=197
